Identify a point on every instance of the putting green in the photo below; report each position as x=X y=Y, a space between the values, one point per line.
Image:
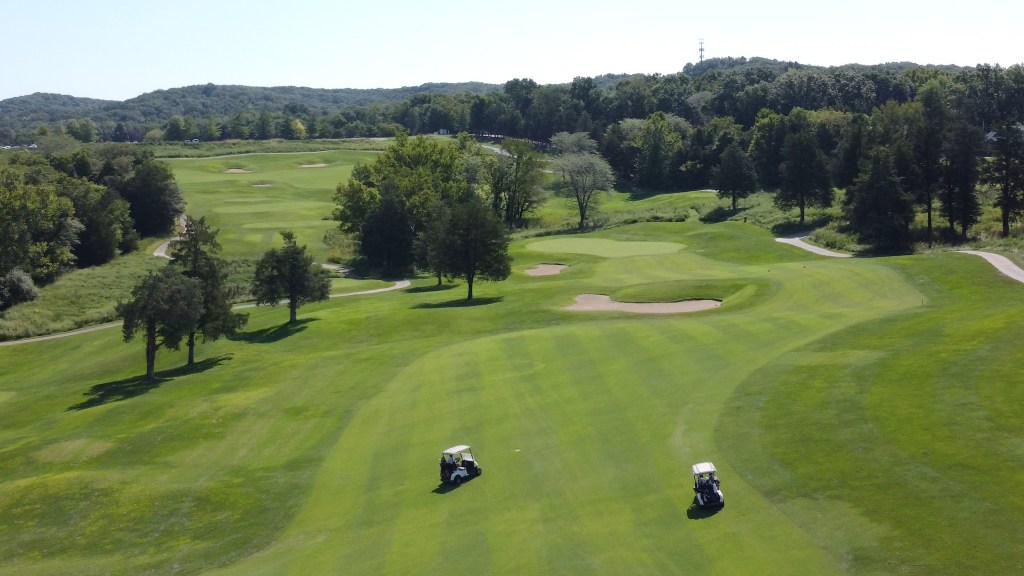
x=851 y=407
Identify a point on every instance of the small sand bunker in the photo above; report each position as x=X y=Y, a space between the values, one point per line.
x=237 y=171
x=546 y=269
x=313 y=166
x=261 y=185
x=600 y=302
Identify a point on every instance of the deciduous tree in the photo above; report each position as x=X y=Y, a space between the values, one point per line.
x=734 y=177
x=475 y=244
x=195 y=253
x=960 y=205
x=1005 y=171
x=583 y=175
x=164 y=306
x=289 y=274
x=516 y=181
x=805 y=178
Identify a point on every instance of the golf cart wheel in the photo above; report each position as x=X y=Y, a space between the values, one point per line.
x=478 y=471
x=457 y=480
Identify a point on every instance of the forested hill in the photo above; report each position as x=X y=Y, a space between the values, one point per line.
x=24 y=113
x=40 y=108
x=735 y=88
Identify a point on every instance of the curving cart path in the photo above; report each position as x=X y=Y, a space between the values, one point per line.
x=161 y=252
x=1001 y=263
x=799 y=243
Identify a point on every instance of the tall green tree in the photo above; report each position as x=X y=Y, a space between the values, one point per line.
x=960 y=204
x=851 y=150
x=105 y=218
x=195 y=253
x=175 y=130
x=38 y=227
x=929 y=145
x=83 y=130
x=386 y=237
x=734 y=176
x=264 y=129
x=289 y=274
x=1005 y=171
x=805 y=178
x=516 y=181
x=148 y=185
x=164 y=306
x=877 y=207
x=583 y=175
x=767 y=138
x=658 y=146
x=430 y=242
x=389 y=202
x=573 y=143
x=475 y=244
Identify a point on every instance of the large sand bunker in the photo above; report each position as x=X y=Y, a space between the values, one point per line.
x=237 y=171
x=313 y=166
x=600 y=302
x=546 y=269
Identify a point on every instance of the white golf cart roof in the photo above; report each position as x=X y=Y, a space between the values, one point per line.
x=457 y=450
x=703 y=468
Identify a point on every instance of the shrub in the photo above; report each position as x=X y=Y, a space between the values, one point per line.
x=16 y=287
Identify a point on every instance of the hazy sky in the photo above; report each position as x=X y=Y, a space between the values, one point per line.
x=120 y=49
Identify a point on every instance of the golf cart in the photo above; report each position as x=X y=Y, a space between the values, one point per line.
x=707 y=486
x=457 y=463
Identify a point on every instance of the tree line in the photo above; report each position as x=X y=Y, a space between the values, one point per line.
x=78 y=209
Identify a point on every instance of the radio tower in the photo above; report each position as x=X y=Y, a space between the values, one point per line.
x=702 y=50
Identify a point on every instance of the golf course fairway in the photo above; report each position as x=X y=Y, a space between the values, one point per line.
x=863 y=415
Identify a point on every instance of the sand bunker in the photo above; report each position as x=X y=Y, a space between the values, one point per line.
x=600 y=302
x=546 y=269
x=261 y=185
x=237 y=171
x=313 y=166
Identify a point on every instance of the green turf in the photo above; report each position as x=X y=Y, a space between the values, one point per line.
x=862 y=413
x=274 y=193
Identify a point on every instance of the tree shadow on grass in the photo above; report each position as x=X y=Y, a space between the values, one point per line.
x=274 y=333
x=695 y=512
x=119 y=390
x=461 y=303
x=434 y=288
x=791 y=229
x=719 y=214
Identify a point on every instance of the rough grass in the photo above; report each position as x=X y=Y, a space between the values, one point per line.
x=78 y=298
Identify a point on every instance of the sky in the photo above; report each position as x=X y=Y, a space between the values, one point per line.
x=116 y=50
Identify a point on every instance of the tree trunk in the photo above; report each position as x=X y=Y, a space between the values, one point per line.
x=803 y=205
x=1006 y=212
x=191 y=347
x=151 y=350
x=469 y=281
x=733 y=201
x=928 y=196
x=293 y=309
x=438 y=279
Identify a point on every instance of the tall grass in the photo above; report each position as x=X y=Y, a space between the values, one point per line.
x=79 y=298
